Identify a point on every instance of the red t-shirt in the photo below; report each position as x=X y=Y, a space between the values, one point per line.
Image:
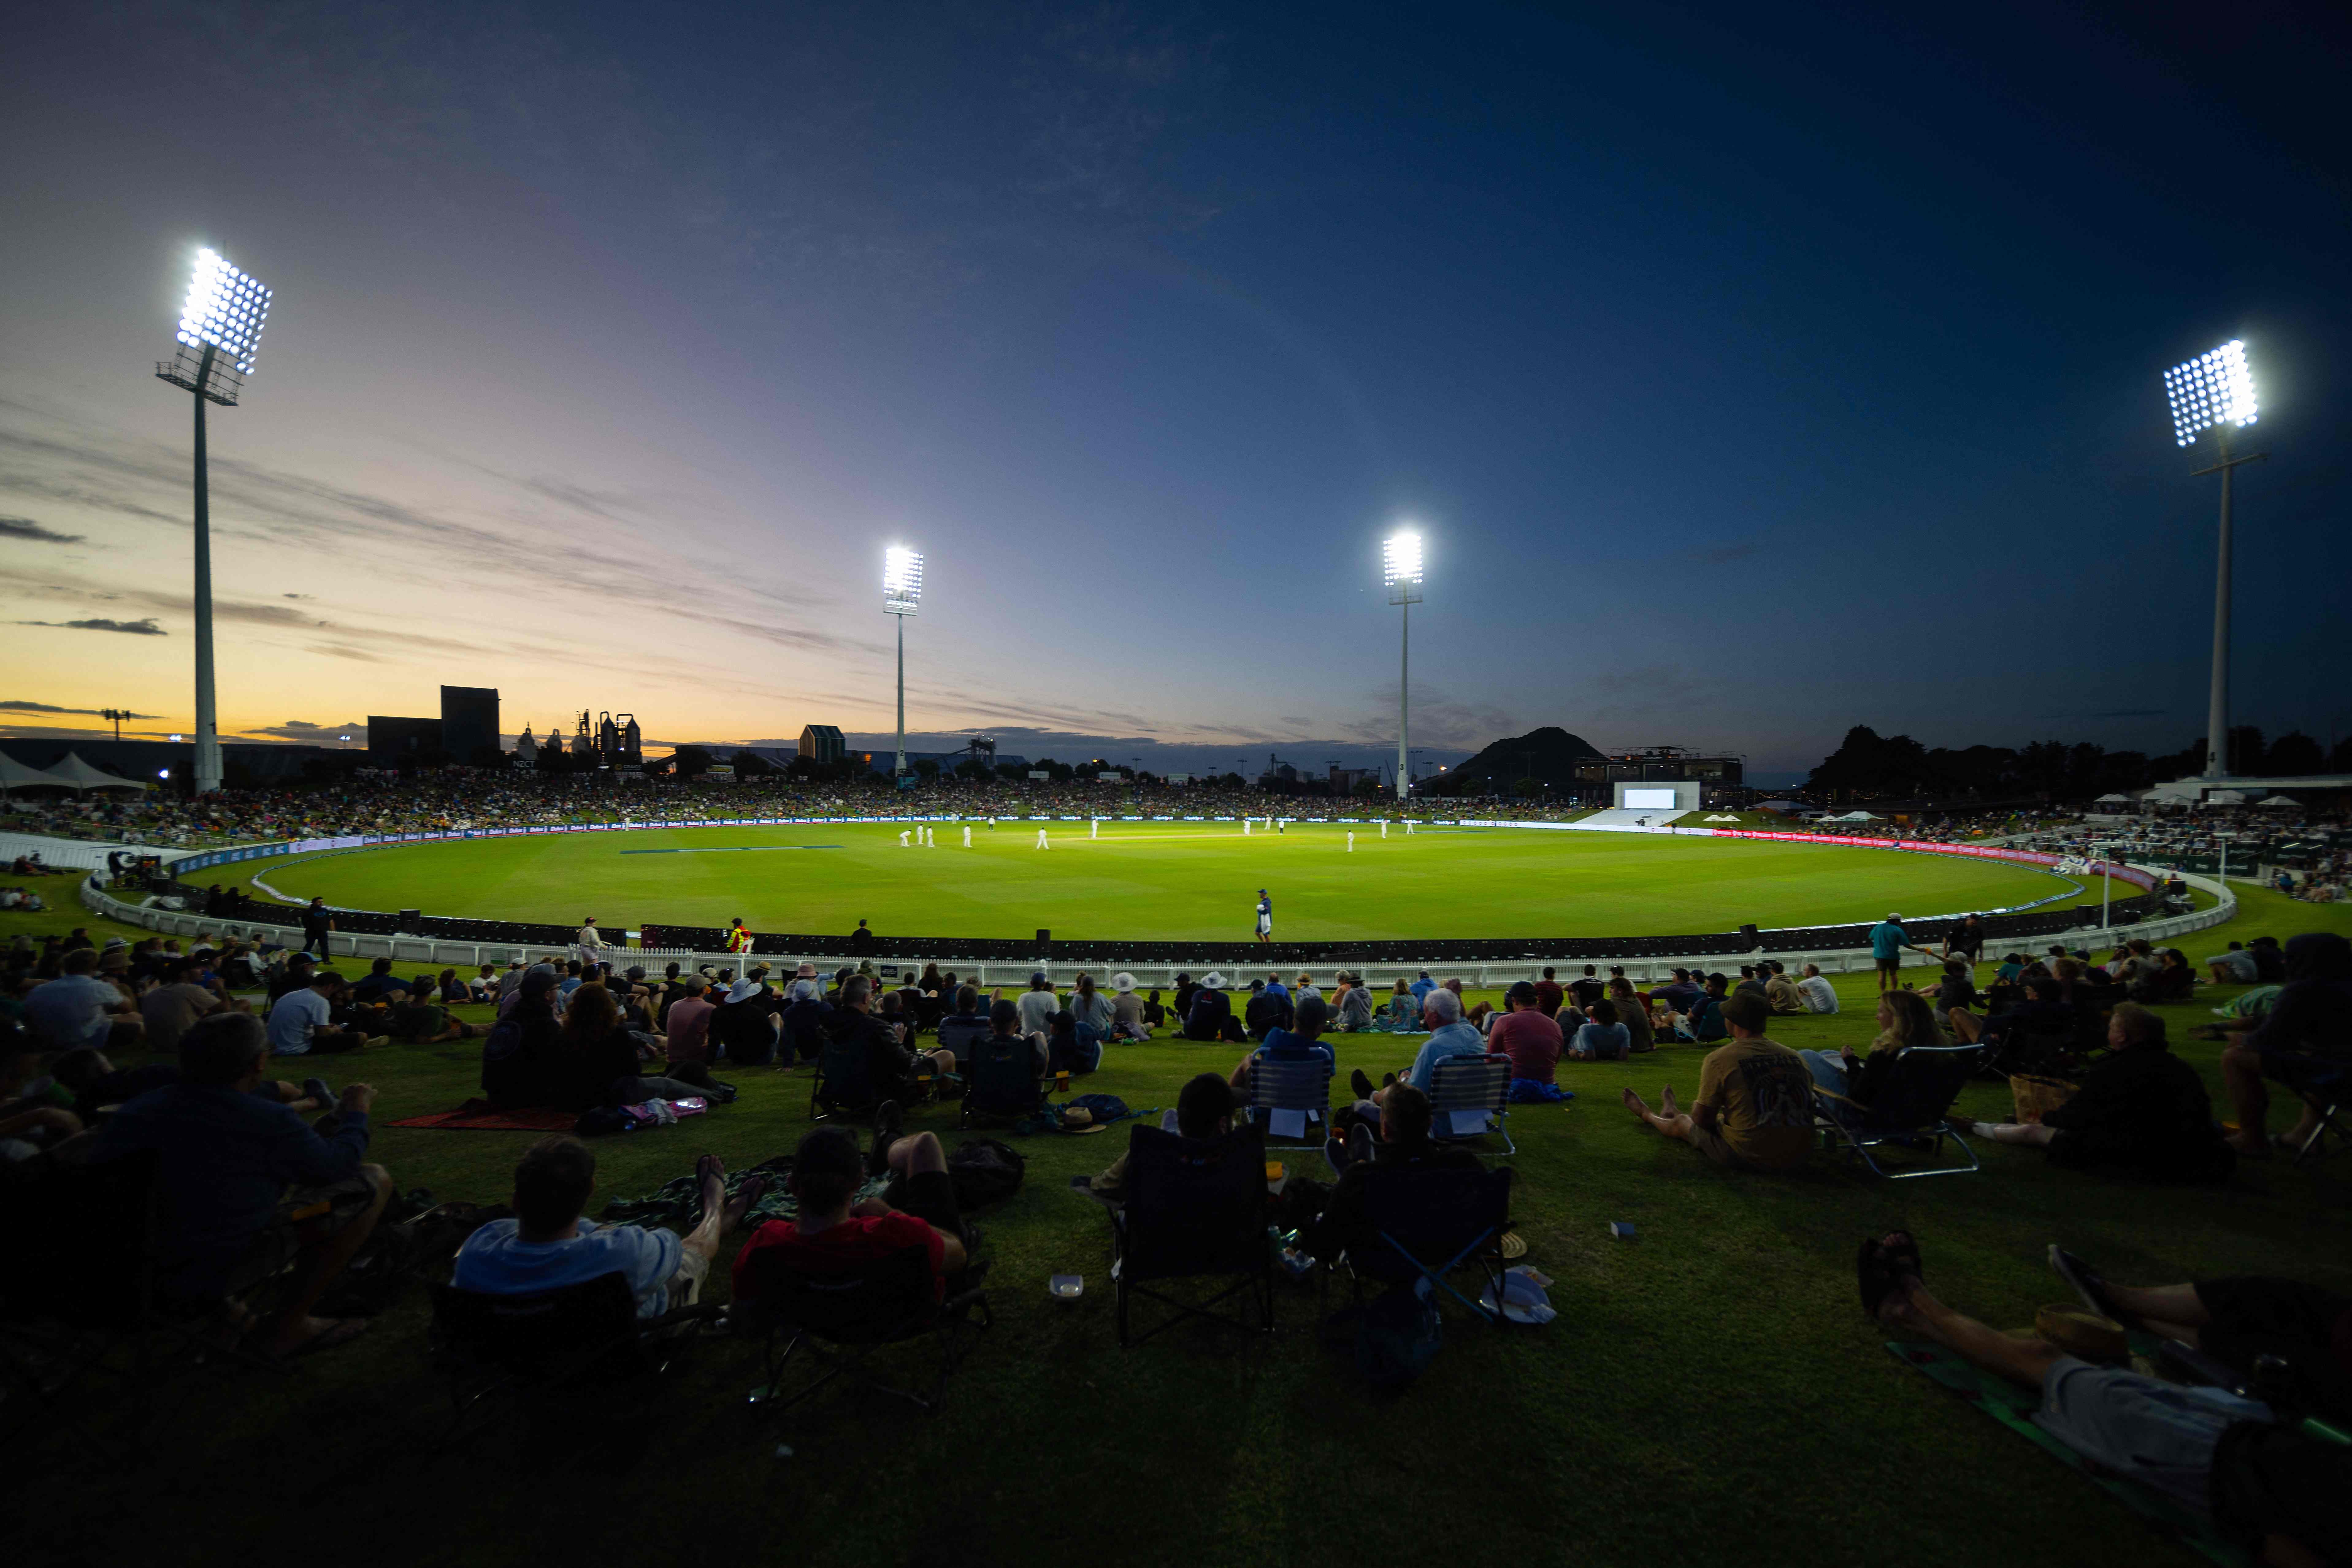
x=1531 y=1041
x=838 y=1248
x=1548 y=996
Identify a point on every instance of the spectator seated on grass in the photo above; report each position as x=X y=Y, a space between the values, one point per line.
x=2308 y=1030
x=1301 y=1041
x=1092 y=1015
x=2141 y=1112
x=1352 y=1005
x=1127 y=1021
x=171 y=1007
x=547 y=1245
x=2044 y=1012
x=95 y=1082
x=1403 y=1142
x=1212 y=1014
x=1204 y=1109
x=1905 y=1020
x=1704 y=1021
x=301 y=1022
x=78 y=1009
x=2277 y=1490
x=379 y=984
x=1004 y=1023
x=1603 y=1036
x=1956 y=998
x=1038 y=1005
x=1526 y=1034
x=1401 y=1014
x=1780 y=993
x=748 y=1027
x=235 y=1169
x=1268 y=1008
x=1820 y=996
x=834 y=1235
x=603 y=1062
x=32 y=1127
x=2234 y=967
x=1755 y=1106
x=1633 y=1012
x=966 y=1022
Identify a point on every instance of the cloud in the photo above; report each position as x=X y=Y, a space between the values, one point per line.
x=20 y=706
x=304 y=729
x=298 y=596
x=135 y=628
x=25 y=529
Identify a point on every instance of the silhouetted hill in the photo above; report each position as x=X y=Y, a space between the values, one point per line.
x=1550 y=754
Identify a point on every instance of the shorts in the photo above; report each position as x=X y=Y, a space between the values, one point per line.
x=2158 y=1434
x=2297 y=1323
x=1890 y=966
x=1714 y=1147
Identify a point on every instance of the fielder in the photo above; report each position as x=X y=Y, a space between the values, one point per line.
x=1264 y=917
x=967 y=835
x=1094 y=828
x=1042 y=843
x=902 y=838
x=1351 y=840
x=1384 y=827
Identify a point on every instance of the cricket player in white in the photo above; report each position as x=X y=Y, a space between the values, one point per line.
x=1384 y=827
x=1351 y=840
x=1041 y=840
x=967 y=835
x=902 y=841
x=1094 y=828
x=1245 y=826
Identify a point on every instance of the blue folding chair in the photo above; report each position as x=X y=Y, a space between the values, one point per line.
x=1302 y=1086
x=1470 y=1097
x=1001 y=1080
x=1432 y=1223
x=1909 y=1111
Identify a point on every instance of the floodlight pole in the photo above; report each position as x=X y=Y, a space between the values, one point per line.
x=899 y=771
x=208 y=757
x=1404 y=686
x=2217 y=703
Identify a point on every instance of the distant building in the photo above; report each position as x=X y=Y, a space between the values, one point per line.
x=821 y=743
x=469 y=721
x=1658 y=764
x=395 y=742
x=526 y=749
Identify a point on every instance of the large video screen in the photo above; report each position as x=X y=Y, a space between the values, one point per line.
x=1649 y=799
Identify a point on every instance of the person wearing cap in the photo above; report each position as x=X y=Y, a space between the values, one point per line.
x=1301 y=1040
x=807 y=1018
x=1038 y=1005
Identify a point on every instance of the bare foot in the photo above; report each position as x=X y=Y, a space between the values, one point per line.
x=1667 y=1106
x=1633 y=1103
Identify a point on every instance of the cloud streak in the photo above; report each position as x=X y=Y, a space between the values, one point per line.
x=25 y=529
x=21 y=707
x=146 y=628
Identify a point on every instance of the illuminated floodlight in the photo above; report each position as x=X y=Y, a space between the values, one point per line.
x=1401 y=559
x=902 y=580
x=2215 y=388
x=224 y=308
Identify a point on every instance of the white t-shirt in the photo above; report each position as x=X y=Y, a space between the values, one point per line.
x=495 y=1262
x=1037 y=1010
x=293 y=1019
x=1819 y=996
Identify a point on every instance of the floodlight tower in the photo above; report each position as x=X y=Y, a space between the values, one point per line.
x=220 y=325
x=902 y=589
x=2216 y=390
x=1400 y=571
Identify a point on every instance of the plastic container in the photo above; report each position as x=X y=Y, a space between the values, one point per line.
x=1066 y=1287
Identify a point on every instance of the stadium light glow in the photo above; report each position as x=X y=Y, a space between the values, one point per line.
x=225 y=308
x=2213 y=389
x=219 y=331
x=902 y=589
x=1400 y=574
x=2215 y=392
x=902 y=580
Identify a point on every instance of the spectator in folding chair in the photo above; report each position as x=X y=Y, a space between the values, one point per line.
x=1403 y=1142
x=1301 y=1041
x=547 y=1245
x=808 y=1020
x=1441 y=1014
x=2278 y=1490
x=890 y=1062
x=2309 y=1029
x=2141 y=1111
x=965 y=1027
x=1755 y=1106
x=242 y=1181
x=834 y=1235
x=1905 y=1020
x=1204 y=1109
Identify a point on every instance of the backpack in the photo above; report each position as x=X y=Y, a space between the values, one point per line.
x=984 y=1171
x=1398 y=1334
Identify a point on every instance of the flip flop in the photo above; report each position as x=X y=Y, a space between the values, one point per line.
x=1904 y=1255
x=1877 y=1273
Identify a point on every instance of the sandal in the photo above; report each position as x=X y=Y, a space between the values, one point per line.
x=1904 y=1254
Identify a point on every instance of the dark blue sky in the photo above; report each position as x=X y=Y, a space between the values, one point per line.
x=1752 y=373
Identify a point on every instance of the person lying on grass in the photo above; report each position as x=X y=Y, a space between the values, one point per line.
x=1755 y=1106
x=2276 y=1489
x=547 y=1245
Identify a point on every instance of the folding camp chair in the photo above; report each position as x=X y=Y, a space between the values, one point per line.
x=576 y=1342
x=1433 y=1222
x=959 y=1035
x=842 y=1319
x=843 y=1085
x=1001 y=1080
x=1469 y=1097
x=96 y=1289
x=1195 y=1206
x=1910 y=1106
x=1281 y=1090
x=2325 y=1083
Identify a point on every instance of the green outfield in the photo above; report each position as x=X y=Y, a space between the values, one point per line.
x=1167 y=881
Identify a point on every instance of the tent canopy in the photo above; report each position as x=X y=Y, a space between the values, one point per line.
x=77 y=774
x=1857 y=817
x=2226 y=798
x=2280 y=800
x=2113 y=800
x=14 y=774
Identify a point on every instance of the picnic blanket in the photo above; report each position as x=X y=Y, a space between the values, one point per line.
x=479 y=1116
x=678 y=1202
x=2013 y=1407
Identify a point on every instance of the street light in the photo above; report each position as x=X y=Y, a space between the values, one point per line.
x=902 y=589
x=1401 y=572
x=220 y=327
x=2215 y=391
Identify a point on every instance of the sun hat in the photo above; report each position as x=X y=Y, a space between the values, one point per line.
x=742 y=990
x=1122 y=982
x=1213 y=981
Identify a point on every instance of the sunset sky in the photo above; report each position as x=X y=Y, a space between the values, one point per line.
x=1751 y=377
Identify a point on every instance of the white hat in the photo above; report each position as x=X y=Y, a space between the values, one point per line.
x=1213 y=981
x=1122 y=982
x=743 y=989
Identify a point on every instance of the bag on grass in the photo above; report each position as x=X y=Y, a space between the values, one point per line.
x=1398 y=1334
x=2036 y=1097
x=984 y=1171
